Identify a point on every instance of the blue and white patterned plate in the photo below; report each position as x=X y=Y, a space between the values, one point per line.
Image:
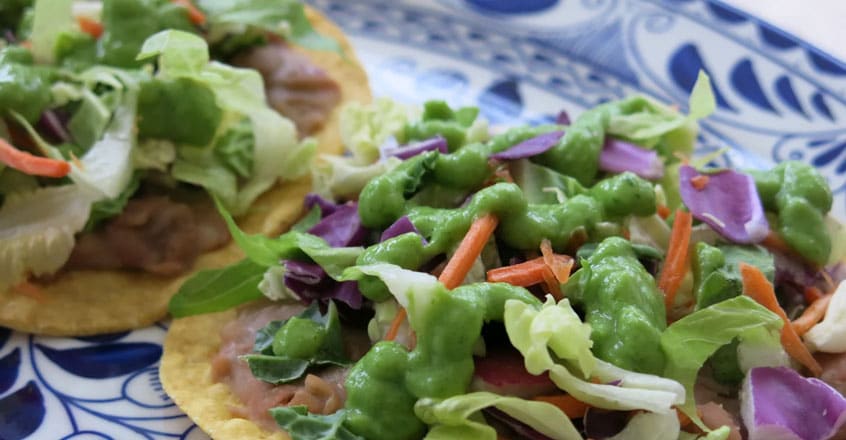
x=778 y=98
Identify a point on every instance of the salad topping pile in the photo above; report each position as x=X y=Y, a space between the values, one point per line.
x=579 y=279
x=116 y=115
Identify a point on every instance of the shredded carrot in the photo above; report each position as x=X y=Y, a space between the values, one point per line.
x=572 y=407
x=559 y=264
x=527 y=273
x=523 y=274
x=26 y=44
x=459 y=265
x=90 y=27
x=675 y=266
x=684 y=420
x=812 y=315
x=812 y=294
x=468 y=250
x=194 y=14
x=756 y=285
x=700 y=182
x=664 y=211
x=395 y=325
x=32 y=165
x=31 y=290
x=828 y=281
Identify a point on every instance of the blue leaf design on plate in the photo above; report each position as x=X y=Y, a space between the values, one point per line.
x=110 y=337
x=685 y=65
x=822 y=107
x=745 y=83
x=511 y=6
x=725 y=14
x=826 y=64
x=776 y=38
x=829 y=155
x=501 y=102
x=4 y=335
x=9 y=369
x=785 y=91
x=21 y=412
x=103 y=361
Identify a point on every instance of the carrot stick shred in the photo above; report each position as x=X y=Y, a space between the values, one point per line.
x=572 y=407
x=395 y=325
x=675 y=266
x=812 y=294
x=812 y=315
x=459 y=265
x=756 y=285
x=32 y=165
x=523 y=274
x=700 y=182
x=90 y=27
x=664 y=211
x=468 y=250
x=194 y=14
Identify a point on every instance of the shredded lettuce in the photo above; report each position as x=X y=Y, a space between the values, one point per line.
x=251 y=18
x=654 y=426
x=690 y=341
x=454 y=417
x=276 y=150
x=339 y=178
x=51 y=19
x=364 y=128
x=540 y=334
x=273 y=287
x=658 y=120
x=830 y=334
x=37 y=230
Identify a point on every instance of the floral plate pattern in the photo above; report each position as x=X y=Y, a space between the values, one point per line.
x=778 y=98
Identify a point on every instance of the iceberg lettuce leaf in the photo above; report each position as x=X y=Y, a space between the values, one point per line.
x=569 y=340
x=454 y=417
x=690 y=341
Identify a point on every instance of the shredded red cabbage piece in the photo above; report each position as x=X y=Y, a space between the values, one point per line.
x=402 y=226
x=408 y=151
x=530 y=147
x=618 y=156
x=521 y=429
x=601 y=423
x=53 y=125
x=341 y=228
x=327 y=207
x=728 y=203
x=778 y=403
x=324 y=290
x=563 y=118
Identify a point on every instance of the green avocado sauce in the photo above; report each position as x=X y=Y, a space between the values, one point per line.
x=384 y=385
x=623 y=306
x=24 y=87
x=800 y=197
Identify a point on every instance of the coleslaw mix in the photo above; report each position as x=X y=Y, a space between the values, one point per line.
x=588 y=278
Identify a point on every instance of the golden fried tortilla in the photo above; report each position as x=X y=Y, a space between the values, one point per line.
x=185 y=374
x=91 y=302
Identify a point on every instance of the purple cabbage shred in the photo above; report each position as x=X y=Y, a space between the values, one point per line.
x=563 y=118
x=402 y=226
x=728 y=202
x=342 y=227
x=618 y=156
x=408 y=151
x=779 y=403
x=530 y=147
x=327 y=207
